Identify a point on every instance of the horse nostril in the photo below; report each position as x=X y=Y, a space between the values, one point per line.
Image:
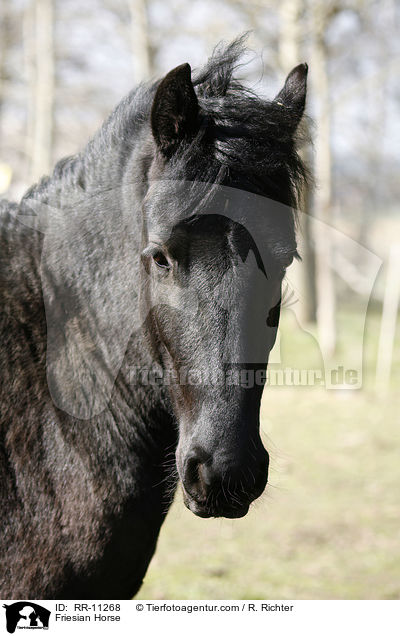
x=197 y=476
x=206 y=475
x=191 y=471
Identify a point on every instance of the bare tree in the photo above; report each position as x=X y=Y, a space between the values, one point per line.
x=141 y=49
x=319 y=16
x=290 y=54
x=3 y=46
x=39 y=43
x=290 y=33
x=8 y=25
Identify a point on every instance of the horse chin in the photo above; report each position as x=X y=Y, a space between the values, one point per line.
x=205 y=512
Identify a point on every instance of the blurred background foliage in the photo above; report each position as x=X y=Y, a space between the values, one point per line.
x=328 y=524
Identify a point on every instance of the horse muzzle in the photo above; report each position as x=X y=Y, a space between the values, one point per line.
x=213 y=487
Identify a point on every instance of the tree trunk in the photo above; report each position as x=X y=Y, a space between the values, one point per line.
x=5 y=26
x=3 y=44
x=141 y=49
x=289 y=38
x=40 y=19
x=290 y=54
x=325 y=288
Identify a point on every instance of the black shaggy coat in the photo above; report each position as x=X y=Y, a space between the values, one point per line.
x=82 y=500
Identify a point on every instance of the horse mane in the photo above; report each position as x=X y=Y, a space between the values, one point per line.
x=252 y=141
x=253 y=137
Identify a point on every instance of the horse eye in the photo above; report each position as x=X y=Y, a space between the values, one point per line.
x=161 y=261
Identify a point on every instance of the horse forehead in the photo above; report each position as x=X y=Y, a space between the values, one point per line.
x=268 y=222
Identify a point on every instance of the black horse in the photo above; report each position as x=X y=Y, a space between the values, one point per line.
x=133 y=283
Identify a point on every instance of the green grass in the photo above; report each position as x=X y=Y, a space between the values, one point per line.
x=328 y=524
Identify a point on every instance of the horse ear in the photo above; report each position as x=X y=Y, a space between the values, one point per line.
x=293 y=94
x=175 y=110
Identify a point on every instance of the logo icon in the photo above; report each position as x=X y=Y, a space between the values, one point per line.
x=26 y=615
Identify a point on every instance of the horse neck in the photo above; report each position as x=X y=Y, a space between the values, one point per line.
x=92 y=202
